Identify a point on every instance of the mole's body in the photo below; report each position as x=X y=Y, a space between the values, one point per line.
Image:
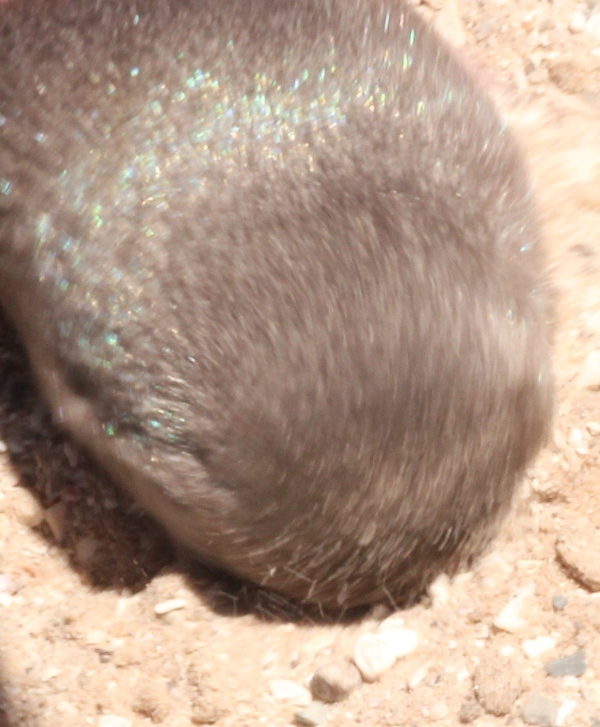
x=275 y=264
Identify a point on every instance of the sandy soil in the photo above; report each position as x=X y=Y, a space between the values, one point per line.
x=82 y=571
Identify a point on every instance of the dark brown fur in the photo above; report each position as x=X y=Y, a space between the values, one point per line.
x=276 y=266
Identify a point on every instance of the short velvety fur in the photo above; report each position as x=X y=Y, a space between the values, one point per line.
x=275 y=264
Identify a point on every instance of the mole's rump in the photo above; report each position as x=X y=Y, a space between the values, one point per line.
x=276 y=266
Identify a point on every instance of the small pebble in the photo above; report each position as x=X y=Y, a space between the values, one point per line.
x=153 y=701
x=510 y=618
x=96 y=637
x=173 y=604
x=578 y=439
x=439 y=591
x=315 y=714
x=559 y=602
x=287 y=690
x=204 y=712
x=540 y=710
x=574 y=544
x=593 y=427
x=565 y=710
x=375 y=653
x=538 y=646
x=470 y=711
x=572 y=665
x=26 y=508
x=112 y=720
x=417 y=677
x=335 y=681
x=497 y=684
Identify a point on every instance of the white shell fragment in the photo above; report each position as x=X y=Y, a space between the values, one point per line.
x=287 y=690
x=510 y=618
x=173 y=604
x=538 y=646
x=375 y=653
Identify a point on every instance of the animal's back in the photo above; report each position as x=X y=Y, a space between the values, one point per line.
x=276 y=266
